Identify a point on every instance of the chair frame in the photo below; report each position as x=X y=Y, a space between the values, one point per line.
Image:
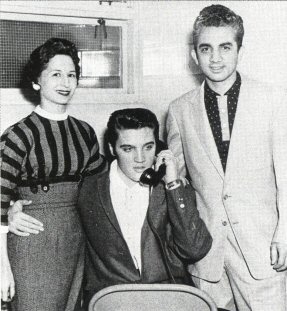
x=153 y=287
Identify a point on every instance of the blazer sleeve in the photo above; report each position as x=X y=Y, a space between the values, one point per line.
x=174 y=140
x=279 y=145
x=189 y=236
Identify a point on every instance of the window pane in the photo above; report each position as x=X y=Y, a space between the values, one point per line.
x=101 y=58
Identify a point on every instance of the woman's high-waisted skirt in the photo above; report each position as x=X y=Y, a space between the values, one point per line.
x=48 y=267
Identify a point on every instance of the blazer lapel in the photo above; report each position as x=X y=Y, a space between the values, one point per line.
x=239 y=135
x=154 y=213
x=105 y=197
x=106 y=202
x=204 y=132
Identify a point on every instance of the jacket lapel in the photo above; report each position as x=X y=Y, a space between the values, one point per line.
x=106 y=202
x=203 y=130
x=239 y=134
x=157 y=198
x=154 y=212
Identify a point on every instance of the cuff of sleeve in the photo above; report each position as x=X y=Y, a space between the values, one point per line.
x=4 y=229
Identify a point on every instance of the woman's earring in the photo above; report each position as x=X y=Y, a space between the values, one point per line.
x=36 y=86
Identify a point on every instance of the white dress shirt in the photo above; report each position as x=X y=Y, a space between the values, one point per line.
x=130 y=204
x=223 y=115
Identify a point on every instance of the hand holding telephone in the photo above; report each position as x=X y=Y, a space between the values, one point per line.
x=151 y=177
x=165 y=158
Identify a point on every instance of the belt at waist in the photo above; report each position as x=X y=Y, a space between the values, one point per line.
x=64 y=193
x=48 y=180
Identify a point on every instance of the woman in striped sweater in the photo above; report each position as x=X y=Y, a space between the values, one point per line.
x=44 y=158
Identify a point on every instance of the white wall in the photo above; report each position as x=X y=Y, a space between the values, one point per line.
x=164 y=30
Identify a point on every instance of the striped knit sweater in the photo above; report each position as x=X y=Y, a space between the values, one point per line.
x=37 y=147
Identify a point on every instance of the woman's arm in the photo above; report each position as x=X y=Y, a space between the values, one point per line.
x=97 y=162
x=7 y=279
x=14 y=149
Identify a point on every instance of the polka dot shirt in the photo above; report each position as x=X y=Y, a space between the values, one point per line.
x=221 y=112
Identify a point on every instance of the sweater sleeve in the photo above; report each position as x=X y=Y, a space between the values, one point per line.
x=13 y=155
x=97 y=162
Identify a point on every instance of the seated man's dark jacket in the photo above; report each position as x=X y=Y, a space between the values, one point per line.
x=172 y=213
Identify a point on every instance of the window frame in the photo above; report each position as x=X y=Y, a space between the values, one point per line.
x=114 y=17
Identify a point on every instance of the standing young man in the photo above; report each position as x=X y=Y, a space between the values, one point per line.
x=231 y=136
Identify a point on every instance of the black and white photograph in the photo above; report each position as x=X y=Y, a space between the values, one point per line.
x=143 y=155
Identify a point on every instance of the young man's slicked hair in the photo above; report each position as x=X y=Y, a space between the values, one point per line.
x=131 y=118
x=218 y=16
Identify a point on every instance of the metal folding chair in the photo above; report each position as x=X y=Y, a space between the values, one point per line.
x=151 y=297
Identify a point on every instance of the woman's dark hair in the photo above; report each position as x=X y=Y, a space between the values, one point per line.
x=41 y=56
x=131 y=118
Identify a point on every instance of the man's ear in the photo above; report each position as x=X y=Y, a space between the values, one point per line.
x=111 y=150
x=194 y=56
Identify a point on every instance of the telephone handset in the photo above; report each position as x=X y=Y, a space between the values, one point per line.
x=150 y=176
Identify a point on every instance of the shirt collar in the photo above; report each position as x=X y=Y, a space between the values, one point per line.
x=116 y=180
x=234 y=88
x=51 y=116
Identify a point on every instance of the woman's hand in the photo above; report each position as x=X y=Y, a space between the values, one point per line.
x=20 y=223
x=167 y=157
x=7 y=282
x=7 y=279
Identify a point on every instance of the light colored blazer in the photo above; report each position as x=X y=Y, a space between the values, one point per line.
x=251 y=196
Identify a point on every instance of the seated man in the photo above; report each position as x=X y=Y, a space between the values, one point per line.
x=138 y=233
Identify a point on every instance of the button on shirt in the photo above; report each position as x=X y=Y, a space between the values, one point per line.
x=221 y=110
x=130 y=205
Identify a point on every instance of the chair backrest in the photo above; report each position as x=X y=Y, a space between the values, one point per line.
x=151 y=297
